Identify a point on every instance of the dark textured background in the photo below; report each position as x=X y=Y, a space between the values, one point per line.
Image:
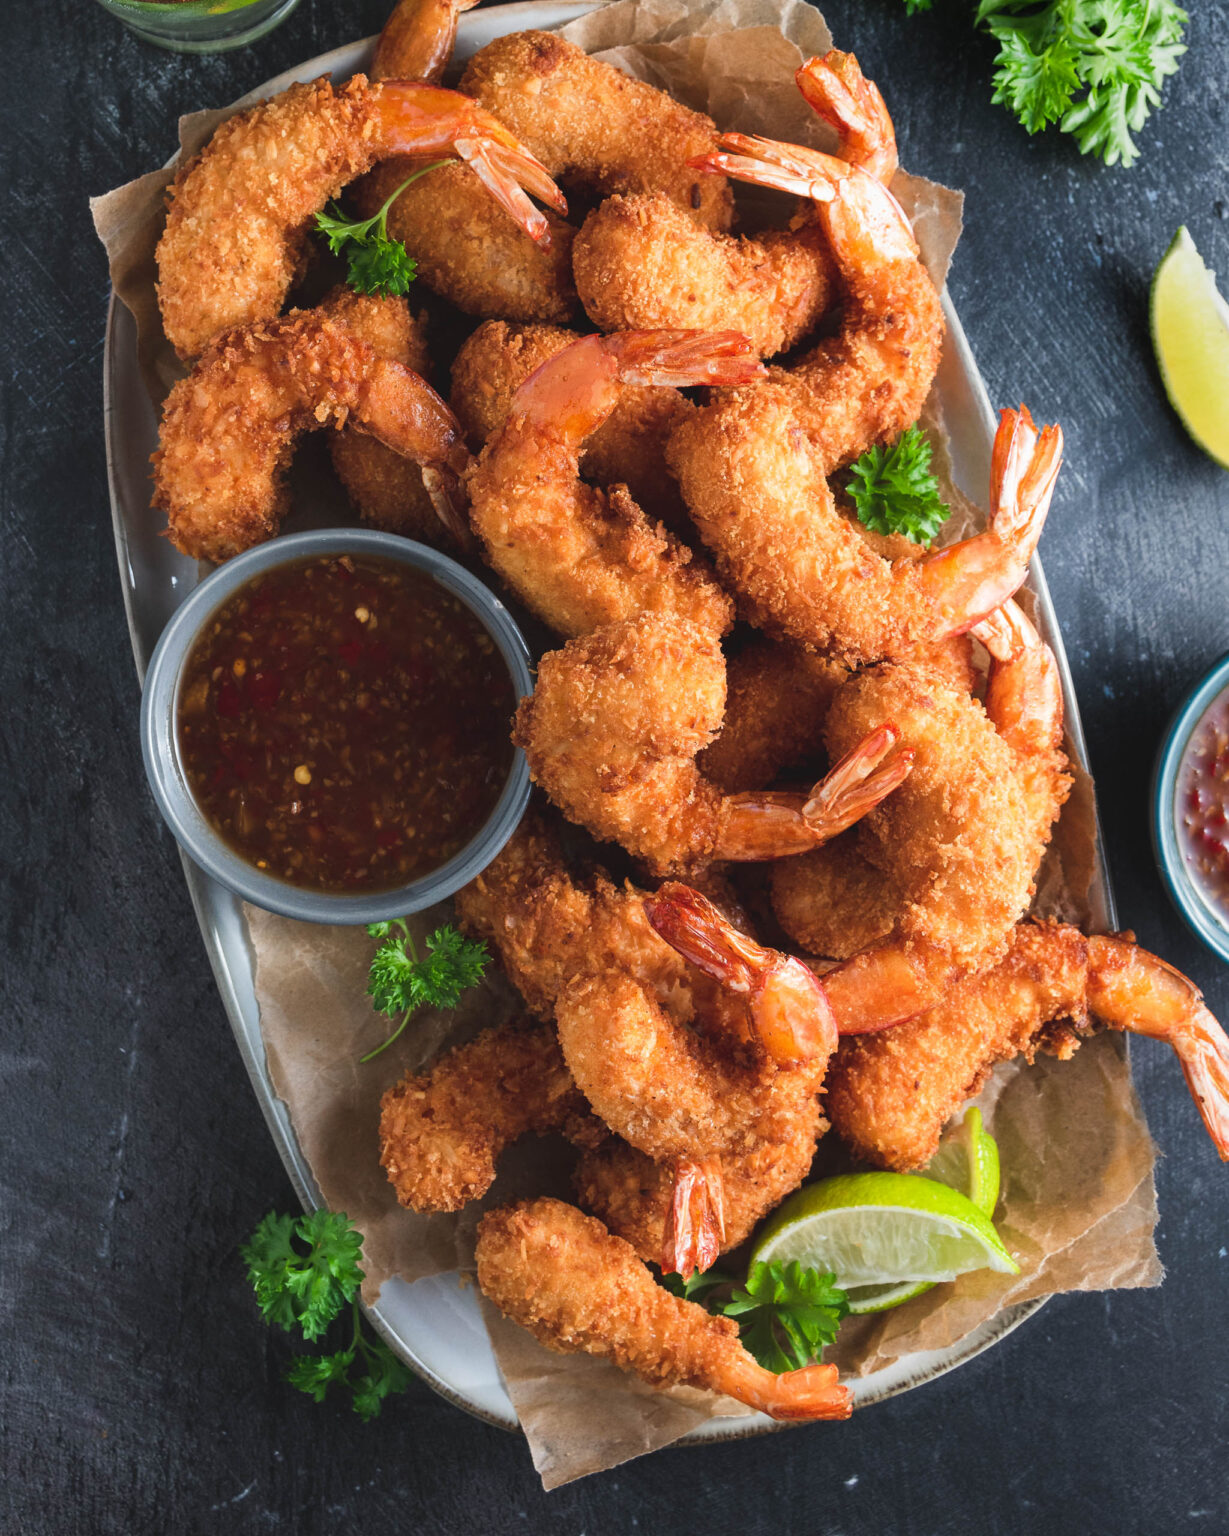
x=138 y=1391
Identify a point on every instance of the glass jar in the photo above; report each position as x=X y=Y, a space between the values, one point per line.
x=200 y=26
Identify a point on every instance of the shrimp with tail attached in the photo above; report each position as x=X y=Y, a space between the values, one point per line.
x=890 y=1095
x=762 y=505
x=640 y=261
x=229 y=428
x=578 y=556
x=240 y=210
x=578 y=1289
x=612 y=730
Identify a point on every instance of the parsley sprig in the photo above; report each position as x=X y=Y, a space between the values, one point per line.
x=375 y=264
x=305 y=1271
x=894 y=491
x=1094 y=67
x=786 y=1314
x=399 y=981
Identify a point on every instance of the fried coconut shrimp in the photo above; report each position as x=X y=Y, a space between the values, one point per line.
x=441 y=1131
x=760 y=500
x=562 y=1276
x=578 y=556
x=595 y=129
x=629 y=448
x=240 y=210
x=869 y=381
x=890 y=1095
x=950 y=860
x=612 y=732
x=229 y=428
x=386 y=489
x=641 y=261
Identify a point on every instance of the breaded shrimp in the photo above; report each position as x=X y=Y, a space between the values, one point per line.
x=240 y=210
x=629 y=448
x=562 y=1276
x=612 y=732
x=386 y=489
x=869 y=381
x=418 y=39
x=760 y=500
x=442 y=1130
x=890 y=1095
x=597 y=130
x=578 y=556
x=641 y=262
x=950 y=860
x=229 y=428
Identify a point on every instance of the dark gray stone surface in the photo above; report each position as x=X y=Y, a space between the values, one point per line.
x=138 y=1392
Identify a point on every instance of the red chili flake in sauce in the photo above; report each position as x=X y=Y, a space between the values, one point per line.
x=1202 y=802
x=344 y=723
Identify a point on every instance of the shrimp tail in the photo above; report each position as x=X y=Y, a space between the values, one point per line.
x=811 y=1393
x=836 y=90
x=1131 y=989
x=684 y=358
x=787 y=1007
x=443 y=486
x=857 y=784
x=501 y=171
x=694 y=1232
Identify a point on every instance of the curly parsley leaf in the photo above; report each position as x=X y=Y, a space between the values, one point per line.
x=786 y=1314
x=894 y=491
x=1095 y=67
x=304 y=1269
x=311 y=1290
x=375 y=263
x=399 y=981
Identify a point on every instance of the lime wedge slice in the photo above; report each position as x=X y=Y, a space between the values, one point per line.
x=883 y=1230
x=1190 y=335
x=968 y=1160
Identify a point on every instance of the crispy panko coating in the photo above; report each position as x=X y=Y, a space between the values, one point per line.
x=576 y=1288
x=549 y=928
x=596 y=129
x=632 y=1194
x=613 y=729
x=959 y=842
x=228 y=430
x=240 y=210
x=581 y=557
x=441 y=1131
x=628 y=448
x=889 y=1095
x=641 y=262
x=386 y=489
x=468 y=249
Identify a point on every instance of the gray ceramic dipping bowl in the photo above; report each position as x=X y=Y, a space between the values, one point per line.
x=160 y=739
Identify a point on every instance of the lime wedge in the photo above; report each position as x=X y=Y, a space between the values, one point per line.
x=968 y=1160
x=885 y=1236
x=1190 y=335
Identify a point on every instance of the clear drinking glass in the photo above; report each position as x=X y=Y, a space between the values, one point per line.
x=200 y=26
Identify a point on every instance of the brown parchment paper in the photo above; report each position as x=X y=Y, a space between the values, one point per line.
x=1078 y=1205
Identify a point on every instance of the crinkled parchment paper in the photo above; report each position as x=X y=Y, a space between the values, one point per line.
x=1078 y=1205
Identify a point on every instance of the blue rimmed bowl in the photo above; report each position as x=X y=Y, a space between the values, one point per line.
x=164 y=766
x=1197 y=910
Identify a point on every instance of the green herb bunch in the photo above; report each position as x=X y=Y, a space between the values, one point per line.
x=894 y=491
x=375 y=264
x=305 y=1272
x=399 y=982
x=786 y=1314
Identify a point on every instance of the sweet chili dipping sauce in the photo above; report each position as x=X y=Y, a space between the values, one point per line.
x=344 y=723
x=1202 y=803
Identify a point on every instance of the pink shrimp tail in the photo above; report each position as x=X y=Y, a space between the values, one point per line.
x=684 y=358
x=836 y=90
x=1024 y=466
x=787 y=1007
x=811 y=1393
x=859 y=782
x=695 y=1227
